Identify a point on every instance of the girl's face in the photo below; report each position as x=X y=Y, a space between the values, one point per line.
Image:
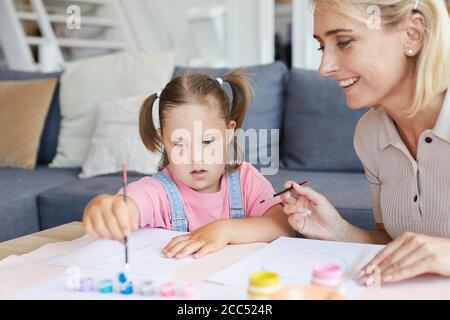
x=195 y=138
x=369 y=64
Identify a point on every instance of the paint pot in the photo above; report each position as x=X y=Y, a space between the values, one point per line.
x=86 y=284
x=168 y=290
x=122 y=277
x=327 y=275
x=262 y=285
x=189 y=291
x=147 y=288
x=106 y=286
x=126 y=288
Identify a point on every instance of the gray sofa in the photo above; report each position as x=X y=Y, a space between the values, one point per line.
x=315 y=144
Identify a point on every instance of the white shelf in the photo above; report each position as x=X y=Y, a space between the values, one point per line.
x=36 y=41
x=80 y=43
x=90 y=21
x=99 y=2
x=95 y=44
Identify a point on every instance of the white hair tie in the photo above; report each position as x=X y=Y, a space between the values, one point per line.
x=155 y=111
x=219 y=80
x=416 y=5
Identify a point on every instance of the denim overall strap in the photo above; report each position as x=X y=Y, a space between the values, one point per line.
x=179 y=221
x=234 y=196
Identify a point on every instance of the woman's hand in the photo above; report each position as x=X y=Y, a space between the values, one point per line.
x=312 y=215
x=208 y=239
x=408 y=256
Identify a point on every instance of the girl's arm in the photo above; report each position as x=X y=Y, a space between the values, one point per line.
x=271 y=226
x=220 y=233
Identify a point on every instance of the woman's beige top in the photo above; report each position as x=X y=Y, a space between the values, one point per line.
x=408 y=195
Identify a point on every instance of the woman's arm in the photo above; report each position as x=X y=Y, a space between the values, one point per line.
x=311 y=214
x=355 y=234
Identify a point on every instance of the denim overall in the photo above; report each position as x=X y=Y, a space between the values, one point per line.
x=179 y=220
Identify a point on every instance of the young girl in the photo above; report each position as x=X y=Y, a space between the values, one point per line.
x=195 y=189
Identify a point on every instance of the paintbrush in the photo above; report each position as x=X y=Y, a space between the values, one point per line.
x=282 y=192
x=124 y=186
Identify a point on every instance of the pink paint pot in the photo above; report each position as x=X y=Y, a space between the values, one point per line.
x=327 y=275
x=168 y=290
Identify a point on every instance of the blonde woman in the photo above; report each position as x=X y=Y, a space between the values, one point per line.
x=393 y=55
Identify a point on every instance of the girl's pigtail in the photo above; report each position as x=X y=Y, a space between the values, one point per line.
x=240 y=88
x=241 y=95
x=149 y=134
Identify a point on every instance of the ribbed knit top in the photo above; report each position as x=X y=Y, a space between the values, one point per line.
x=408 y=195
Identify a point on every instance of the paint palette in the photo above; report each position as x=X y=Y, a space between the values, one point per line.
x=124 y=285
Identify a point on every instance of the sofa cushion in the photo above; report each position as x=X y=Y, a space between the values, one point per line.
x=318 y=126
x=87 y=82
x=348 y=192
x=116 y=140
x=18 y=197
x=49 y=137
x=22 y=120
x=265 y=110
x=66 y=203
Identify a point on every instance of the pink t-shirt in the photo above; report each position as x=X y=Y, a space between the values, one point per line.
x=200 y=209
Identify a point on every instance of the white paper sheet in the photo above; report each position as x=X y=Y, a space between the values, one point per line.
x=144 y=252
x=294 y=259
x=56 y=289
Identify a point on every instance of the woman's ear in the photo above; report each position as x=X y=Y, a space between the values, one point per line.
x=415 y=35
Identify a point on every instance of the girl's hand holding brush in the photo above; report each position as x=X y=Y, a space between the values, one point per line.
x=109 y=217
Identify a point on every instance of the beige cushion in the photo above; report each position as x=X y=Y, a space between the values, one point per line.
x=86 y=83
x=23 y=109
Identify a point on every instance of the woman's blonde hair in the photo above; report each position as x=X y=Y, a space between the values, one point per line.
x=432 y=65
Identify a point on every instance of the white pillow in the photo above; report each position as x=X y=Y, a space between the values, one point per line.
x=116 y=140
x=88 y=82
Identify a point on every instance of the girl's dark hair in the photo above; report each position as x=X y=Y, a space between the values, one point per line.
x=197 y=88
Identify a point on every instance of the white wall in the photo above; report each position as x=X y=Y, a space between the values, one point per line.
x=250 y=29
x=163 y=25
x=305 y=53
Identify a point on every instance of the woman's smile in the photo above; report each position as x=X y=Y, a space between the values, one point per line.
x=349 y=82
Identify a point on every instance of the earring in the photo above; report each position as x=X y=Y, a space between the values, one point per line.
x=410 y=52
